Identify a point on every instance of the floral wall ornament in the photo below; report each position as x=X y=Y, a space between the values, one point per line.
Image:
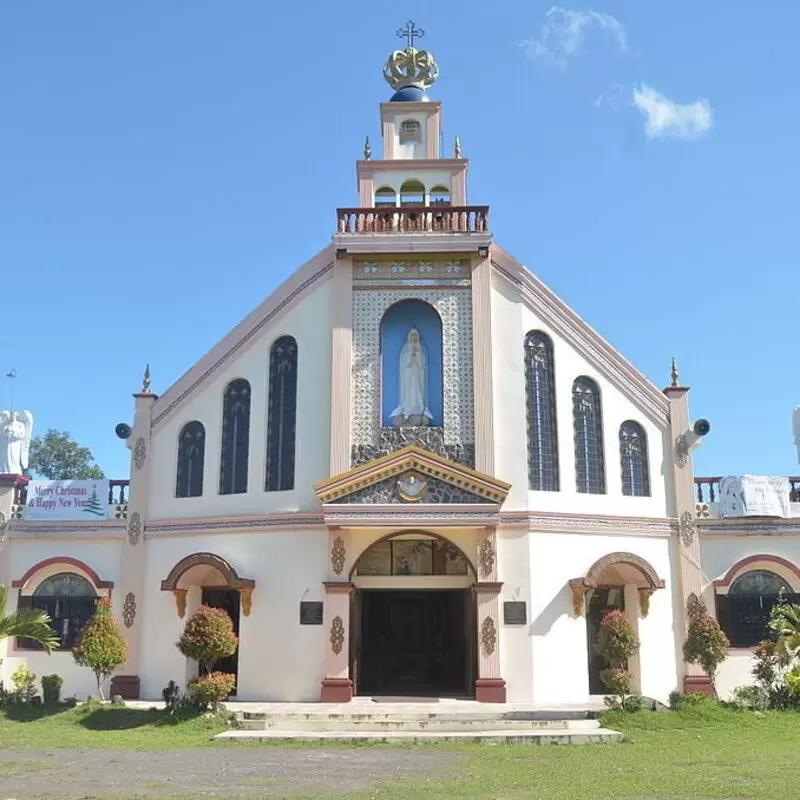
x=486 y=557
x=129 y=609
x=3 y=527
x=139 y=453
x=687 y=527
x=337 y=635
x=338 y=555
x=681 y=451
x=488 y=636
x=134 y=528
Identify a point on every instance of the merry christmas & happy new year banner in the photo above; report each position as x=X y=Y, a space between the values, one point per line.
x=70 y=500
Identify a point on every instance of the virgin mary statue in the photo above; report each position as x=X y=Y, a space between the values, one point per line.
x=412 y=408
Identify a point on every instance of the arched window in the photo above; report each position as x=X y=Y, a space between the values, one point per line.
x=410 y=131
x=633 y=460
x=412 y=193
x=440 y=196
x=541 y=413
x=385 y=197
x=745 y=611
x=589 y=462
x=191 y=456
x=69 y=601
x=281 y=414
x=235 y=438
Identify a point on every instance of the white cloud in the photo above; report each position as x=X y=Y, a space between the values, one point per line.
x=564 y=31
x=665 y=117
x=610 y=97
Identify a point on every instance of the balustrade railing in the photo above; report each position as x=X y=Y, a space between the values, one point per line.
x=707 y=489
x=414 y=219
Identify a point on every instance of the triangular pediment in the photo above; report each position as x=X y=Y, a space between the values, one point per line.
x=412 y=475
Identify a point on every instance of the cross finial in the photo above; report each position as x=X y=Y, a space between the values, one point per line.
x=410 y=32
x=675 y=374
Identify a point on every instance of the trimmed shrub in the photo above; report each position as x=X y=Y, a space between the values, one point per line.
x=51 y=689
x=208 y=691
x=617 y=643
x=208 y=637
x=101 y=646
x=24 y=684
x=750 y=698
x=705 y=643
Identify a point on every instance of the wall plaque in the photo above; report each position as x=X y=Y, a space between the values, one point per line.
x=515 y=612
x=310 y=613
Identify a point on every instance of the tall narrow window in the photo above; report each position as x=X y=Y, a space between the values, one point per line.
x=589 y=463
x=633 y=459
x=235 y=438
x=191 y=456
x=282 y=414
x=541 y=413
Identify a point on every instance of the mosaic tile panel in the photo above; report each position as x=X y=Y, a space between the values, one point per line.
x=454 y=306
x=385 y=493
x=430 y=439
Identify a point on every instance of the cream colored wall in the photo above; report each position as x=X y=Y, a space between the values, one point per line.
x=410 y=149
x=279 y=659
x=429 y=179
x=309 y=322
x=511 y=320
x=557 y=638
x=103 y=557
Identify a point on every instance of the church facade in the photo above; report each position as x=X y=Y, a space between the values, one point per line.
x=411 y=470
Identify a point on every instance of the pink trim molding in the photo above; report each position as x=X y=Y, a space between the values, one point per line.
x=739 y=567
x=99 y=584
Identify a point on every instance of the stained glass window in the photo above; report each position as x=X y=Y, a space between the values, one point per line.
x=235 y=438
x=282 y=414
x=633 y=460
x=69 y=601
x=744 y=612
x=541 y=413
x=191 y=456
x=589 y=461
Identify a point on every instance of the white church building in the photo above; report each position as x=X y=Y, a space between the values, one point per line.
x=412 y=470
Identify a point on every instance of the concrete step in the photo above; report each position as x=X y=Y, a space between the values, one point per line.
x=566 y=735
x=396 y=722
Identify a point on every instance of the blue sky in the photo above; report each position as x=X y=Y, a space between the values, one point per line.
x=639 y=156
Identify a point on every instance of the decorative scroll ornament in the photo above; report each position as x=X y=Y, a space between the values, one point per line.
x=681 y=450
x=486 y=557
x=135 y=528
x=139 y=453
x=129 y=609
x=338 y=555
x=3 y=527
x=337 y=635
x=578 y=597
x=644 y=601
x=488 y=636
x=247 y=601
x=687 y=527
x=410 y=67
x=180 y=601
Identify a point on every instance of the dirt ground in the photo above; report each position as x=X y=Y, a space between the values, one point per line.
x=231 y=773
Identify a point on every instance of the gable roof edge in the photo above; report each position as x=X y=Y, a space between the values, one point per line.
x=278 y=302
x=563 y=319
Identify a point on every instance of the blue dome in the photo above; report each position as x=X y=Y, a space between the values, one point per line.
x=408 y=94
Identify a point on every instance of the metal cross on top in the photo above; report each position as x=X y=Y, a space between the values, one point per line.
x=410 y=32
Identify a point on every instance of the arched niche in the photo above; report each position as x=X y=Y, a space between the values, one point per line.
x=396 y=324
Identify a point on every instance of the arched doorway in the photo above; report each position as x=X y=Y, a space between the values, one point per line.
x=413 y=618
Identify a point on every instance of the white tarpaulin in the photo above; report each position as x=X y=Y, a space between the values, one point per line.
x=754 y=496
x=72 y=500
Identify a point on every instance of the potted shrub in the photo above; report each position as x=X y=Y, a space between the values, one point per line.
x=101 y=646
x=617 y=643
x=705 y=644
x=207 y=638
x=51 y=689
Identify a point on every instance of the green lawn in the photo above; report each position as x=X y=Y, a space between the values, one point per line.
x=703 y=752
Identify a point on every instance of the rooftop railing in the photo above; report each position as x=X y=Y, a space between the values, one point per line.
x=707 y=489
x=413 y=219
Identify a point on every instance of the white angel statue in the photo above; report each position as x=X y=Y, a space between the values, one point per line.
x=412 y=408
x=16 y=428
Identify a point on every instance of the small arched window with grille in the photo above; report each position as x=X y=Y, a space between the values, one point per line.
x=191 y=456
x=235 y=438
x=588 y=421
x=633 y=460
x=410 y=131
x=281 y=415
x=540 y=404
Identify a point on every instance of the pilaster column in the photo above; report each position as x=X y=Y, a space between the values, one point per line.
x=133 y=547
x=337 y=686
x=341 y=361
x=489 y=686
x=10 y=487
x=688 y=544
x=482 y=359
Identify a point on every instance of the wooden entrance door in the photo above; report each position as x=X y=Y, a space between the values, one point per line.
x=600 y=602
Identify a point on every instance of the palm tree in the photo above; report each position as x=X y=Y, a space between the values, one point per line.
x=32 y=623
x=785 y=621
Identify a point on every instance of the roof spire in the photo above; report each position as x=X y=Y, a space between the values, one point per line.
x=146 y=380
x=674 y=372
